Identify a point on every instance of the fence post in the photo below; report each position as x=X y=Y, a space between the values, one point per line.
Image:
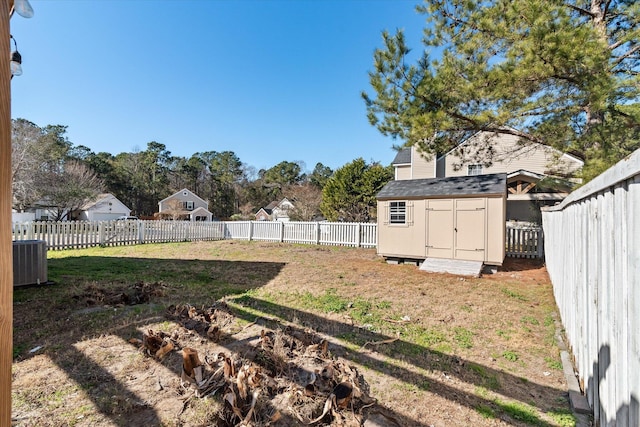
x=140 y=232
x=358 y=237
x=281 y=231
x=30 y=230
x=101 y=233
x=250 y=230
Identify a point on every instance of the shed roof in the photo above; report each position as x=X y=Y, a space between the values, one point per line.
x=403 y=157
x=481 y=185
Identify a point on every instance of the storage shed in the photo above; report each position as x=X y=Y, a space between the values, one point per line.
x=460 y=218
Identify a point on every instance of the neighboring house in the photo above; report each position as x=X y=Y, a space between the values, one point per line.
x=44 y=210
x=275 y=211
x=537 y=175
x=460 y=218
x=184 y=205
x=104 y=207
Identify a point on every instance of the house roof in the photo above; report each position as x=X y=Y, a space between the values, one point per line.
x=200 y=209
x=271 y=205
x=497 y=133
x=403 y=157
x=485 y=185
x=184 y=189
x=99 y=198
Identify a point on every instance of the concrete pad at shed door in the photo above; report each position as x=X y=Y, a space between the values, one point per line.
x=452 y=266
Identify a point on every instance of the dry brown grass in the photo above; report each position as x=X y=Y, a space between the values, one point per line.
x=474 y=352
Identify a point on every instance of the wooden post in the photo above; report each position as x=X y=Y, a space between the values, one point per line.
x=6 y=247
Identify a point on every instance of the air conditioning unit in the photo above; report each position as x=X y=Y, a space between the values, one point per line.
x=29 y=262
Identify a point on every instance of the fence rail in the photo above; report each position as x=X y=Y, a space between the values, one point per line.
x=593 y=258
x=522 y=242
x=85 y=234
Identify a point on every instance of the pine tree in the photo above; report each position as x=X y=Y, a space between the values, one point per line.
x=564 y=73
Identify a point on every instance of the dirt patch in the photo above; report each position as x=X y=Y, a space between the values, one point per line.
x=412 y=348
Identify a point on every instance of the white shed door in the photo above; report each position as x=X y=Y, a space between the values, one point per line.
x=470 y=229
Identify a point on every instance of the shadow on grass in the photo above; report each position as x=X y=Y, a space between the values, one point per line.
x=202 y=282
x=402 y=351
x=50 y=317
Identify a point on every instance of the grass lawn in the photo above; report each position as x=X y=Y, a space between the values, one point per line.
x=433 y=349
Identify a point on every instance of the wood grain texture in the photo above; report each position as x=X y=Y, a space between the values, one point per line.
x=6 y=251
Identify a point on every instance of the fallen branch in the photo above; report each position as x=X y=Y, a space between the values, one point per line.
x=376 y=343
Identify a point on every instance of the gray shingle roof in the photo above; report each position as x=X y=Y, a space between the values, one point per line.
x=484 y=185
x=403 y=157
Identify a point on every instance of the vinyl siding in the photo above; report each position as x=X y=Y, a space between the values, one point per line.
x=403 y=172
x=422 y=168
x=511 y=156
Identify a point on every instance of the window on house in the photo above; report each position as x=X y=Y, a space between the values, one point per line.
x=474 y=170
x=188 y=205
x=397 y=212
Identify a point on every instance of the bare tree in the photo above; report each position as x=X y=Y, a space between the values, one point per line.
x=306 y=200
x=70 y=187
x=27 y=155
x=174 y=210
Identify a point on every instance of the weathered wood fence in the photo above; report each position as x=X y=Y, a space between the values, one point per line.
x=84 y=234
x=593 y=258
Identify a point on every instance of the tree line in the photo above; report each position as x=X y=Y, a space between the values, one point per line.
x=48 y=169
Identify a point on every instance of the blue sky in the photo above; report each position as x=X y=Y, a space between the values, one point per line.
x=268 y=80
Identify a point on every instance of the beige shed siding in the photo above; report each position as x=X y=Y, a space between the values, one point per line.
x=403 y=172
x=404 y=241
x=422 y=168
x=496 y=230
x=430 y=232
x=511 y=156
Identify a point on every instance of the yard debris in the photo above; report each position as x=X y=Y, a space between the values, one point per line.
x=377 y=343
x=138 y=293
x=287 y=375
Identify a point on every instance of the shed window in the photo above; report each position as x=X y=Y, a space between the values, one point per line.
x=474 y=170
x=398 y=212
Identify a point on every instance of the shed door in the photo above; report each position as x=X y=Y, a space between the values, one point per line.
x=470 y=230
x=439 y=228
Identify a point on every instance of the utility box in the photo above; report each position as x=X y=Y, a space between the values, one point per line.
x=29 y=262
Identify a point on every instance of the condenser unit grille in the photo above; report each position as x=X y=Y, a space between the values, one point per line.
x=29 y=262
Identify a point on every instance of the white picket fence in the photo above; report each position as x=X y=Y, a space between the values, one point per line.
x=522 y=241
x=593 y=258
x=85 y=234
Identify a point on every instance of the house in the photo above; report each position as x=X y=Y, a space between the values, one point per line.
x=103 y=207
x=537 y=175
x=275 y=211
x=460 y=218
x=184 y=205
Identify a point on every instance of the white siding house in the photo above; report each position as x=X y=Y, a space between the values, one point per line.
x=104 y=207
x=537 y=175
x=185 y=204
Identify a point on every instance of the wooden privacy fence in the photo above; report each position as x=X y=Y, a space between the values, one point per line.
x=84 y=234
x=593 y=258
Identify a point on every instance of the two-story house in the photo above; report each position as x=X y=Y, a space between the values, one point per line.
x=184 y=205
x=537 y=175
x=275 y=211
x=455 y=206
